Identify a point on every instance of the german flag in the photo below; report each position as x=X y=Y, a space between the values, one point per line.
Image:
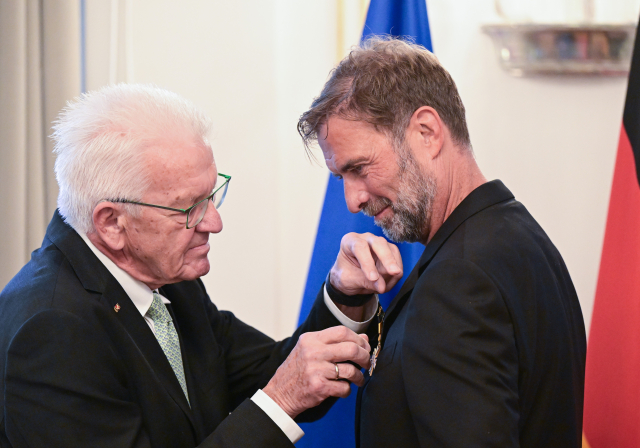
x=612 y=389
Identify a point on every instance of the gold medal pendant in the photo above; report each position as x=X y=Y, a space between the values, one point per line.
x=374 y=358
x=376 y=351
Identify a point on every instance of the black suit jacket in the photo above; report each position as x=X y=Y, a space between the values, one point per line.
x=76 y=372
x=484 y=346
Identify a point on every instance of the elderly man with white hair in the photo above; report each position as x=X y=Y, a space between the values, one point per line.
x=108 y=337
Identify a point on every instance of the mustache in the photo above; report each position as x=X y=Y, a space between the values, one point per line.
x=374 y=206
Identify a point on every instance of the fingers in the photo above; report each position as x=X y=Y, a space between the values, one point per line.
x=392 y=277
x=393 y=264
x=349 y=372
x=358 y=247
x=307 y=376
x=336 y=344
x=346 y=351
x=374 y=253
x=366 y=263
x=388 y=263
x=388 y=255
x=342 y=344
x=341 y=333
x=340 y=389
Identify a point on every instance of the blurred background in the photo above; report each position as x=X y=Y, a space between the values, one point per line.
x=254 y=66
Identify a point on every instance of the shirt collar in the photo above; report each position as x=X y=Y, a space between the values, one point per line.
x=139 y=293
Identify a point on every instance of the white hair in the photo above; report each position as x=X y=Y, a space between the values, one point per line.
x=102 y=141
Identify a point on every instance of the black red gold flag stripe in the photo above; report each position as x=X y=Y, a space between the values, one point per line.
x=612 y=391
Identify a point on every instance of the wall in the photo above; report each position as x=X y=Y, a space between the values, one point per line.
x=552 y=140
x=254 y=66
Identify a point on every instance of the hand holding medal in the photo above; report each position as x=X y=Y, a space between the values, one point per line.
x=367 y=264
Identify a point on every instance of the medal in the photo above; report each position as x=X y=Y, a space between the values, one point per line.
x=376 y=351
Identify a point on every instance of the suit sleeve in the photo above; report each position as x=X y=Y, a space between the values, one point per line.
x=66 y=387
x=248 y=426
x=460 y=360
x=252 y=357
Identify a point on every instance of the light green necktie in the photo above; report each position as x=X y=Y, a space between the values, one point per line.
x=168 y=338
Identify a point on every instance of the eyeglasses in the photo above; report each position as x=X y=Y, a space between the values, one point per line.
x=196 y=212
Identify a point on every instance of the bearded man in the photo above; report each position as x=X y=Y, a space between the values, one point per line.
x=484 y=345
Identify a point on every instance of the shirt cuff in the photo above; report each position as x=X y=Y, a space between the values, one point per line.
x=279 y=417
x=356 y=327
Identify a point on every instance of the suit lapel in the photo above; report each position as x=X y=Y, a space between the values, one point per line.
x=484 y=196
x=95 y=277
x=148 y=345
x=201 y=354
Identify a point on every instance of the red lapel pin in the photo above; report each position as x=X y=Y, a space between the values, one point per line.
x=116 y=308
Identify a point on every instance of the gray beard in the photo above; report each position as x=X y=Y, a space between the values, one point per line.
x=410 y=221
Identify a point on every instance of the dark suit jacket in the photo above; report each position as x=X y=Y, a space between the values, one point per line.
x=484 y=346
x=77 y=373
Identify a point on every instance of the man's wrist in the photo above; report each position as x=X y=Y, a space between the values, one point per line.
x=368 y=312
x=278 y=415
x=344 y=299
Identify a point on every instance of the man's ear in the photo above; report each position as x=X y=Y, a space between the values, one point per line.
x=108 y=221
x=426 y=131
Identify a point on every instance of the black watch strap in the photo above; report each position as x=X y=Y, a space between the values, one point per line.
x=344 y=299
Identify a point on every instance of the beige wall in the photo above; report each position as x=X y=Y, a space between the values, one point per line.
x=254 y=66
x=552 y=140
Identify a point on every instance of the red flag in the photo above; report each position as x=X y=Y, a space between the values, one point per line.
x=612 y=387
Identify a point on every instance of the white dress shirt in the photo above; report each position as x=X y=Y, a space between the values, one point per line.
x=142 y=296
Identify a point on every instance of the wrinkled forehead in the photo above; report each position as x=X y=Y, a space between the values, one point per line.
x=341 y=138
x=179 y=155
x=175 y=165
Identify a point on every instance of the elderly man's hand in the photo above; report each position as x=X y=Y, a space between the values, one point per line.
x=366 y=264
x=308 y=376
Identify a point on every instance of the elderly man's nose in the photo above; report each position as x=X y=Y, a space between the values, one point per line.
x=211 y=222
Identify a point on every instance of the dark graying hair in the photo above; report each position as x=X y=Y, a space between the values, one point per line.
x=383 y=82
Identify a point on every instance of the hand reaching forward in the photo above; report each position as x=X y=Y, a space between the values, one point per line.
x=366 y=264
x=308 y=376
